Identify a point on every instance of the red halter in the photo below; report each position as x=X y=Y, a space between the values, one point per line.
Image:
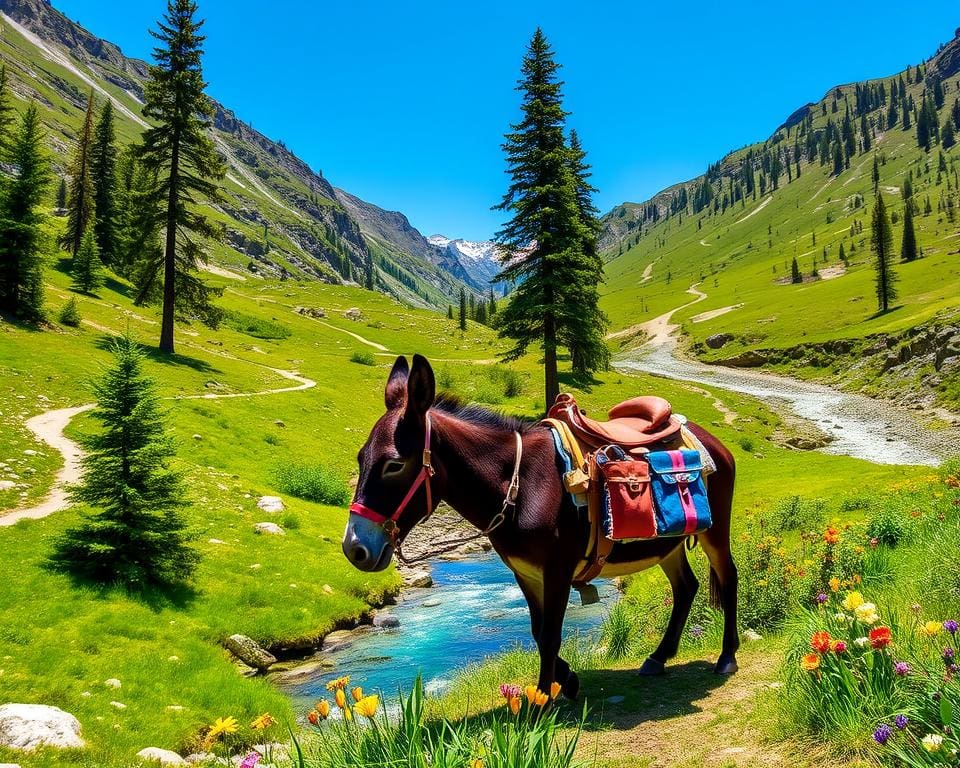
x=389 y=524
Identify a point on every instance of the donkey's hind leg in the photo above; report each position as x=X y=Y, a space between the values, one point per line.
x=685 y=585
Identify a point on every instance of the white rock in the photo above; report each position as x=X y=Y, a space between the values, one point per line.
x=28 y=726
x=29 y=452
x=9 y=765
x=118 y=705
x=752 y=636
x=269 y=529
x=271 y=504
x=215 y=541
x=7 y=485
x=198 y=437
x=112 y=683
x=86 y=695
x=160 y=756
x=418 y=578
x=174 y=708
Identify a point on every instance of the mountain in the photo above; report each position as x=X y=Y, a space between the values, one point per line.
x=281 y=217
x=476 y=263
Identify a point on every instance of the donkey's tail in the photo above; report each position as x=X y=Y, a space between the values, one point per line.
x=716 y=591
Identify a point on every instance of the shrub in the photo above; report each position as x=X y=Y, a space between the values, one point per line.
x=746 y=444
x=797 y=514
x=619 y=634
x=508 y=381
x=445 y=379
x=765 y=581
x=888 y=525
x=363 y=357
x=70 y=314
x=313 y=482
x=254 y=326
x=290 y=521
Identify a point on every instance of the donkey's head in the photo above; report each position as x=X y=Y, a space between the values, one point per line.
x=393 y=491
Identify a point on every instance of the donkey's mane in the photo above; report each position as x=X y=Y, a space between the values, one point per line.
x=455 y=406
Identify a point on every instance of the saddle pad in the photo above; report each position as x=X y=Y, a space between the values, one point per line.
x=679 y=492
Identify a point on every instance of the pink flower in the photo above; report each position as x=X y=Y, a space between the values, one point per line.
x=510 y=691
x=251 y=760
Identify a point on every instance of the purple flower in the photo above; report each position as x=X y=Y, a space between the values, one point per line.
x=882 y=734
x=251 y=760
x=948 y=653
x=901 y=721
x=951 y=626
x=696 y=631
x=901 y=668
x=822 y=598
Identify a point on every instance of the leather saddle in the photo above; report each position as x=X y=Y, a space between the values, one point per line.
x=633 y=424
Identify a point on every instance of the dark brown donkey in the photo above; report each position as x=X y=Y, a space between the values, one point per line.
x=424 y=450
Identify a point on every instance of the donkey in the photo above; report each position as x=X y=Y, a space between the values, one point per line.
x=503 y=476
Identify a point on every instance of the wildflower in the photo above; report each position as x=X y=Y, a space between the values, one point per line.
x=510 y=691
x=901 y=669
x=862 y=642
x=951 y=626
x=477 y=763
x=339 y=684
x=251 y=760
x=838 y=647
x=223 y=726
x=834 y=584
x=313 y=717
x=367 y=705
x=541 y=698
x=874 y=542
x=820 y=642
x=822 y=598
x=880 y=637
x=852 y=601
x=357 y=693
x=555 y=689
x=932 y=742
x=916 y=608
x=831 y=535
x=531 y=693
x=697 y=631
x=901 y=721
x=323 y=708
x=882 y=734
x=262 y=722
x=810 y=662
x=341 y=698
x=931 y=628
x=867 y=613
x=514 y=703
x=841 y=617
x=347 y=714
x=948 y=654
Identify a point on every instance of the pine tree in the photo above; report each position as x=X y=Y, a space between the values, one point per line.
x=463 y=310
x=21 y=238
x=139 y=248
x=876 y=174
x=85 y=268
x=369 y=280
x=70 y=313
x=543 y=242
x=795 y=276
x=908 y=247
x=6 y=108
x=62 y=194
x=137 y=537
x=80 y=201
x=492 y=309
x=181 y=154
x=955 y=114
x=947 y=137
x=838 y=159
x=103 y=166
x=449 y=311
x=481 y=312
x=881 y=242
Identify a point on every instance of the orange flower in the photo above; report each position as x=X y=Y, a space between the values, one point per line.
x=340 y=698
x=834 y=584
x=323 y=708
x=357 y=693
x=514 y=703
x=541 y=698
x=832 y=535
x=810 y=662
x=880 y=637
x=531 y=693
x=313 y=718
x=555 y=689
x=339 y=684
x=820 y=642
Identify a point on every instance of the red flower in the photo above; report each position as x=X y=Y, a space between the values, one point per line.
x=820 y=642
x=880 y=637
x=832 y=535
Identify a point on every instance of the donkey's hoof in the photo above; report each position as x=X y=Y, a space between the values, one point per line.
x=726 y=666
x=571 y=688
x=652 y=668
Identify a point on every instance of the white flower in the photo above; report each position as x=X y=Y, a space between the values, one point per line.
x=862 y=642
x=841 y=617
x=932 y=742
x=867 y=613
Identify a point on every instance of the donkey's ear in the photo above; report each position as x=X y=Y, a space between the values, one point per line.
x=396 y=391
x=421 y=387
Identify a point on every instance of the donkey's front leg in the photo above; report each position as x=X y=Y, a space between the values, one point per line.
x=533 y=591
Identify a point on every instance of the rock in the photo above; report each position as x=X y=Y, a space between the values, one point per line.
x=337 y=640
x=718 y=340
x=354 y=314
x=198 y=437
x=269 y=529
x=302 y=672
x=160 y=756
x=174 y=708
x=29 y=452
x=431 y=603
x=118 y=705
x=7 y=485
x=200 y=758
x=271 y=504
x=386 y=621
x=280 y=424
x=748 y=359
x=311 y=312
x=418 y=578
x=805 y=443
x=28 y=726
x=749 y=634
x=215 y=541
x=249 y=652
x=112 y=683
x=9 y=765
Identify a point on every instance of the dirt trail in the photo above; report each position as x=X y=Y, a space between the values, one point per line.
x=755 y=211
x=660 y=328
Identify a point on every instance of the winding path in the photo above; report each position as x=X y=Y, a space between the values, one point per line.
x=860 y=426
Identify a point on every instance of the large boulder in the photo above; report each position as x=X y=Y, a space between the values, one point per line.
x=386 y=621
x=417 y=578
x=157 y=756
x=269 y=529
x=271 y=504
x=249 y=652
x=29 y=726
x=718 y=340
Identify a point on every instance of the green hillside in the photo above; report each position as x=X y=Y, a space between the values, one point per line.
x=738 y=247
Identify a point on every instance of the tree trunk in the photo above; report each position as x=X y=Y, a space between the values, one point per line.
x=551 y=385
x=170 y=253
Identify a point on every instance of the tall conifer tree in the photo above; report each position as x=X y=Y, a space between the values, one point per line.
x=881 y=242
x=908 y=246
x=103 y=165
x=80 y=200
x=6 y=107
x=181 y=154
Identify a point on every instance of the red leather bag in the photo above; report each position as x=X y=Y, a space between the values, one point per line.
x=628 y=511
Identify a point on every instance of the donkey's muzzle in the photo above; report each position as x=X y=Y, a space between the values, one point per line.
x=366 y=545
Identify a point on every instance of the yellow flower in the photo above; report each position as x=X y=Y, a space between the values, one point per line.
x=555 y=689
x=477 y=763
x=323 y=708
x=339 y=684
x=223 y=726
x=341 y=698
x=367 y=705
x=866 y=613
x=834 y=584
x=514 y=704
x=541 y=699
x=531 y=693
x=932 y=742
x=347 y=714
x=262 y=722
x=810 y=662
x=931 y=628
x=852 y=601
x=357 y=693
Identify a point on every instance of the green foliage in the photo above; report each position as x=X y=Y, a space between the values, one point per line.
x=746 y=444
x=795 y=513
x=313 y=482
x=258 y=327
x=103 y=170
x=620 y=632
x=21 y=239
x=70 y=314
x=908 y=247
x=363 y=357
x=765 y=581
x=80 y=200
x=889 y=525
x=85 y=267
x=6 y=107
x=137 y=537
x=881 y=241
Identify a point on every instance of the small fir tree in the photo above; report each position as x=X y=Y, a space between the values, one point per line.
x=85 y=269
x=137 y=537
x=103 y=167
x=795 y=276
x=908 y=247
x=881 y=242
x=463 y=310
x=70 y=313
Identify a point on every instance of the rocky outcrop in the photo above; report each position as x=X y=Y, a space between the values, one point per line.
x=249 y=652
x=269 y=529
x=718 y=340
x=156 y=756
x=271 y=504
x=30 y=726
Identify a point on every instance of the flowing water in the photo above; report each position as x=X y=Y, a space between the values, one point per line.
x=474 y=610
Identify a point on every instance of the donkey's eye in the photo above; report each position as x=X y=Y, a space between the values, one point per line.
x=393 y=468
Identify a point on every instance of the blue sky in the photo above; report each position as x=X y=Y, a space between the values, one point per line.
x=405 y=104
